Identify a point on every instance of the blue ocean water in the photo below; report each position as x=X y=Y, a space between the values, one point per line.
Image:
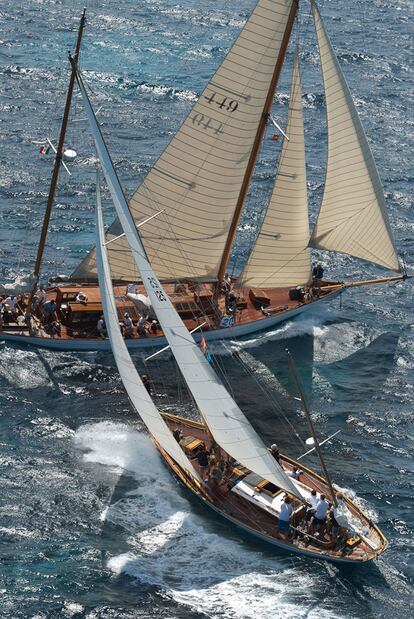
x=91 y=523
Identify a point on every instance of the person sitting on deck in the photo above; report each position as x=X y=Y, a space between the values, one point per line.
x=7 y=315
x=202 y=459
x=81 y=298
x=286 y=510
x=55 y=328
x=274 y=450
x=155 y=326
x=101 y=328
x=319 y=518
x=178 y=435
x=128 y=326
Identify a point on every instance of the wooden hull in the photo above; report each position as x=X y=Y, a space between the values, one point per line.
x=263 y=528
x=252 y=322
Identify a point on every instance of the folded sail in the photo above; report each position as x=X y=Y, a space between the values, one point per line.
x=353 y=217
x=281 y=257
x=225 y=420
x=198 y=177
x=132 y=382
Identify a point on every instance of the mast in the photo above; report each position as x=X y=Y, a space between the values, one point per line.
x=58 y=157
x=258 y=139
x=311 y=426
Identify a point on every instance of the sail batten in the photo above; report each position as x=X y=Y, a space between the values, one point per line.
x=281 y=257
x=353 y=217
x=133 y=384
x=226 y=422
x=211 y=148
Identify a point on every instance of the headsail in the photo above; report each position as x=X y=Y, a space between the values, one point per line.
x=281 y=257
x=224 y=418
x=353 y=217
x=132 y=382
x=198 y=177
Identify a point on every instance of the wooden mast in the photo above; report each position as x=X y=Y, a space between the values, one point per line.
x=258 y=139
x=311 y=426
x=58 y=157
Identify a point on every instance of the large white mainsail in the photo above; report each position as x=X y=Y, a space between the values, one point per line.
x=353 y=217
x=224 y=418
x=198 y=177
x=133 y=384
x=281 y=256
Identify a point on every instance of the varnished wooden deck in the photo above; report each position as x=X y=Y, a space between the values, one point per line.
x=262 y=523
x=280 y=304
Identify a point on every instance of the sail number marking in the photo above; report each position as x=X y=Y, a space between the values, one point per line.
x=229 y=105
x=157 y=289
x=207 y=123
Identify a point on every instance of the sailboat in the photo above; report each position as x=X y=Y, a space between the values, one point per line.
x=247 y=486
x=190 y=204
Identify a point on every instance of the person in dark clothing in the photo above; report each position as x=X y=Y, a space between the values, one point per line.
x=145 y=379
x=178 y=435
x=274 y=450
x=202 y=459
x=317 y=272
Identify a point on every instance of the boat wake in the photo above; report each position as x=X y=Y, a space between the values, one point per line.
x=192 y=557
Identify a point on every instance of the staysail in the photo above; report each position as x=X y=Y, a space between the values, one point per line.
x=353 y=217
x=225 y=420
x=281 y=256
x=198 y=177
x=133 y=384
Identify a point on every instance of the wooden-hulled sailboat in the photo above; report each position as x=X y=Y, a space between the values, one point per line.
x=251 y=487
x=193 y=197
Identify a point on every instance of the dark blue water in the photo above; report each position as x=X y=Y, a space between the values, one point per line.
x=91 y=524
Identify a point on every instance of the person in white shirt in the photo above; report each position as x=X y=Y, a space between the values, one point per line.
x=319 y=517
x=284 y=516
x=11 y=302
x=313 y=500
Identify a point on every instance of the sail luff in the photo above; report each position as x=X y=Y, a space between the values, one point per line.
x=133 y=384
x=281 y=256
x=226 y=422
x=353 y=217
x=197 y=179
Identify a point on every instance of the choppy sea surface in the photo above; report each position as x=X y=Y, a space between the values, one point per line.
x=91 y=523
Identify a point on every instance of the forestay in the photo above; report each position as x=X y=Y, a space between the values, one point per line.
x=132 y=382
x=353 y=218
x=224 y=418
x=197 y=179
x=281 y=257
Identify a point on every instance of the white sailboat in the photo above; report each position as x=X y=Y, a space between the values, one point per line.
x=253 y=487
x=194 y=195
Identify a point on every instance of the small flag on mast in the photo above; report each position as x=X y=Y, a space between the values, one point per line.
x=44 y=150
